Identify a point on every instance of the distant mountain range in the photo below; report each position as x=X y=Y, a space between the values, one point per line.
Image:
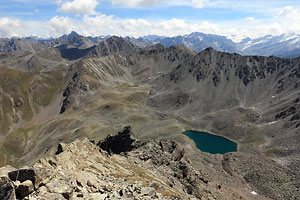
x=285 y=46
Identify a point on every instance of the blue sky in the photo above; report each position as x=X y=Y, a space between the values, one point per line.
x=235 y=19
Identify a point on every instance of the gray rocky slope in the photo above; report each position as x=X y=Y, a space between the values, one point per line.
x=251 y=100
x=122 y=168
x=162 y=91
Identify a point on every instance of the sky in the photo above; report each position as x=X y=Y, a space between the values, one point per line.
x=235 y=19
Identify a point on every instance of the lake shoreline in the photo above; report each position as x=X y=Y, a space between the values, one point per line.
x=211 y=143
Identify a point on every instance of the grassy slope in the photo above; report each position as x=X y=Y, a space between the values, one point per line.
x=22 y=95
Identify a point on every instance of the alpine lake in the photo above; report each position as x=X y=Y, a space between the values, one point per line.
x=211 y=143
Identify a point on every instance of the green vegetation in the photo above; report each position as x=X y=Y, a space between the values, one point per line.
x=6 y=112
x=249 y=115
x=47 y=87
x=22 y=93
x=15 y=85
x=253 y=138
x=2 y=160
x=13 y=146
x=50 y=54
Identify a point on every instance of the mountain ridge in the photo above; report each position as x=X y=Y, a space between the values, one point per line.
x=160 y=92
x=285 y=45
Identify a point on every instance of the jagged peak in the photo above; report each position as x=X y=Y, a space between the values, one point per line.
x=115 y=38
x=212 y=51
x=157 y=46
x=182 y=48
x=195 y=34
x=121 y=42
x=73 y=33
x=209 y=49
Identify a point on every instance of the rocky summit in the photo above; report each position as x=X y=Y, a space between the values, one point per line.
x=86 y=170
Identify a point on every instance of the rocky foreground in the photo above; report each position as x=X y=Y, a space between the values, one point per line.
x=118 y=167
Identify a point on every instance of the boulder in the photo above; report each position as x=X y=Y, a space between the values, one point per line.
x=22 y=175
x=35 y=175
x=60 y=148
x=123 y=142
x=98 y=196
x=55 y=196
x=61 y=187
x=178 y=152
x=24 y=189
x=147 y=191
x=7 y=191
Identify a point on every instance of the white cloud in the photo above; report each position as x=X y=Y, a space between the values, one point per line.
x=288 y=18
x=257 y=6
x=7 y=27
x=85 y=7
x=58 y=26
x=135 y=3
x=285 y=20
x=110 y=25
x=17 y=28
x=199 y=3
x=285 y=11
x=147 y=3
x=289 y=13
x=251 y=19
x=58 y=2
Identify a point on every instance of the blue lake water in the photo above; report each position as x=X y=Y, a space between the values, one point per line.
x=211 y=143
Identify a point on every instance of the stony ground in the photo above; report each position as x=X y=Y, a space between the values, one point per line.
x=136 y=170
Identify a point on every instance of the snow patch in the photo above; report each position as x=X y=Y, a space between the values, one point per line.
x=236 y=38
x=254 y=193
x=273 y=122
x=296 y=40
x=200 y=38
x=288 y=37
x=245 y=47
x=259 y=42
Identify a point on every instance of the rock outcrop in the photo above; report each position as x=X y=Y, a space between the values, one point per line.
x=6 y=189
x=110 y=46
x=122 y=168
x=123 y=142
